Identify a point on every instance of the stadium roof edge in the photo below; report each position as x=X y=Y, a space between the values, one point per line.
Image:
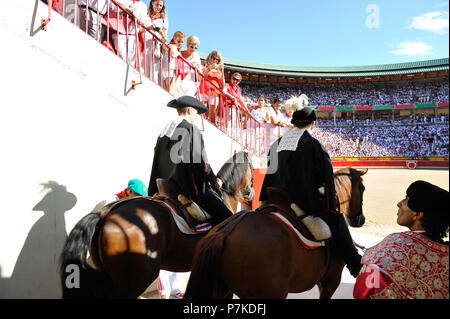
x=342 y=71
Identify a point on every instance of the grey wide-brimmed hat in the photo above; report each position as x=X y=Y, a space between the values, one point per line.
x=187 y=100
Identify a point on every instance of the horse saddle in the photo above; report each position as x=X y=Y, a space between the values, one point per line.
x=184 y=207
x=312 y=228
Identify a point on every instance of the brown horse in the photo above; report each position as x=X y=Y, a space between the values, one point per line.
x=254 y=255
x=136 y=239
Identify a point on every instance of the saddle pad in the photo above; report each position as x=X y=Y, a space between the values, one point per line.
x=183 y=225
x=303 y=240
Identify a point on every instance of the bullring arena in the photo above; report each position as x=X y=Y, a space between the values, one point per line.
x=67 y=148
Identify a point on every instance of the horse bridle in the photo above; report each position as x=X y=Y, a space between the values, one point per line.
x=245 y=195
x=353 y=218
x=250 y=191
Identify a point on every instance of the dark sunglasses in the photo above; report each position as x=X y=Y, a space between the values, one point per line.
x=192 y=47
x=215 y=59
x=234 y=79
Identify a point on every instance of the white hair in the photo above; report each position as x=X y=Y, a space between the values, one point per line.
x=296 y=103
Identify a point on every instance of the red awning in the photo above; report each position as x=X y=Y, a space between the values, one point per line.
x=404 y=106
x=364 y=108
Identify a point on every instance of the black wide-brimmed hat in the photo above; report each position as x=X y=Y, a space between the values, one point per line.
x=304 y=116
x=428 y=198
x=187 y=100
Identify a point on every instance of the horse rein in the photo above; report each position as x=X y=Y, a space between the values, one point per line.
x=350 y=219
x=339 y=209
x=347 y=200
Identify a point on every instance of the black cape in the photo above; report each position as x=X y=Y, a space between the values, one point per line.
x=180 y=157
x=301 y=173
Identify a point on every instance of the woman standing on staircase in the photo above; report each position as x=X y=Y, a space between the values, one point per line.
x=159 y=24
x=213 y=81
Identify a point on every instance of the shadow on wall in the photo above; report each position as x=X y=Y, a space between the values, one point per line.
x=35 y=273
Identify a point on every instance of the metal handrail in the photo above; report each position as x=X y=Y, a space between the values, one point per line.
x=244 y=128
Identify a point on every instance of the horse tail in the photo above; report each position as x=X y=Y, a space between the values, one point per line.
x=78 y=279
x=205 y=280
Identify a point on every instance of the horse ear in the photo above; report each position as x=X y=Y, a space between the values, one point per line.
x=363 y=171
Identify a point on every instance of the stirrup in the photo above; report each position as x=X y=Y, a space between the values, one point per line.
x=193 y=209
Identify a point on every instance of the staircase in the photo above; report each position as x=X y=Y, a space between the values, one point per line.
x=69 y=117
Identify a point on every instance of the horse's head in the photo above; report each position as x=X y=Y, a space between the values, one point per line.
x=237 y=176
x=246 y=185
x=350 y=189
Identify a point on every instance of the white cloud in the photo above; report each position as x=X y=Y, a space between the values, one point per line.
x=442 y=4
x=436 y=22
x=413 y=48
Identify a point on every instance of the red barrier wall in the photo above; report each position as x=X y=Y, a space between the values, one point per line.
x=390 y=163
x=258 y=178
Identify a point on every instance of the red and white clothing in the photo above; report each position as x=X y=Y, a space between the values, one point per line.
x=235 y=91
x=172 y=285
x=287 y=119
x=186 y=72
x=259 y=131
x=404 y=265
x=57 y=5
x=171 y=64
x=230 y=112
x=274 y=131
x=159 y=22
x=152 y=56
x=90 y=14
x=124 y=37
x=183 y=76
x=276 y=114
x=121 y=194
x=210 y=85
x=100 y=5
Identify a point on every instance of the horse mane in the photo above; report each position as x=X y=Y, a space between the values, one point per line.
x=233 y=170
x=343 y=181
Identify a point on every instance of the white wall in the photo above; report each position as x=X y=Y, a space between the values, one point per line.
x=72 y=134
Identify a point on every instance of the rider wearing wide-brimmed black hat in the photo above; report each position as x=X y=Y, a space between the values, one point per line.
x=180 y=157
x=300 y=165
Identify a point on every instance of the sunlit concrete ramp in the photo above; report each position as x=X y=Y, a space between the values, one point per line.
x=73 y=133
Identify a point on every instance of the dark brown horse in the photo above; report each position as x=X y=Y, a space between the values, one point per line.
x=135 y=240
x=254 y=255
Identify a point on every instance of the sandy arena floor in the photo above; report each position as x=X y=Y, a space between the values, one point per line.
x=384 y=189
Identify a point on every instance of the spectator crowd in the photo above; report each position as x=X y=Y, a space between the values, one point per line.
x=403 y=137
x=381 y=141
x=355 y=94
x=181 y=73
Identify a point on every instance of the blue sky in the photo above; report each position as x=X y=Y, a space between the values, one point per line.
x=316 y=33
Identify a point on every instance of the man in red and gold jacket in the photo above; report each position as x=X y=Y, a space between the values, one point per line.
x=411 y=264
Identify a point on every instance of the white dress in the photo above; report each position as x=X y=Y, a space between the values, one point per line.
x=257 y=133
x=153 y=54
